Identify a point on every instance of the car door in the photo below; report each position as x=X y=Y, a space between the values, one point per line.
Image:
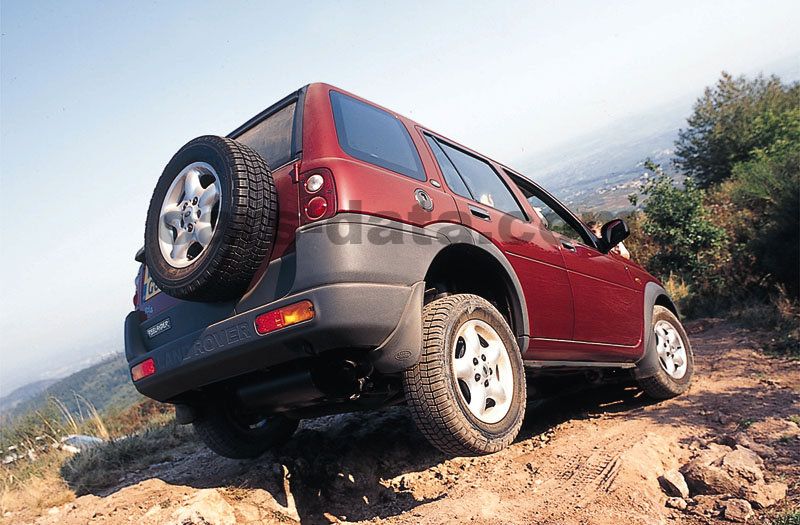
x=607 y=301
x=490 y=205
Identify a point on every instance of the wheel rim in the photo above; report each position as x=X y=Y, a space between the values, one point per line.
x=189 y=214
x=671 y=349
x=482 y=368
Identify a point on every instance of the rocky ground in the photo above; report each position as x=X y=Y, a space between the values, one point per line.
x=728 y=450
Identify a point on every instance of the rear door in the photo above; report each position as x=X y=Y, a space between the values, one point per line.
x=490 y=205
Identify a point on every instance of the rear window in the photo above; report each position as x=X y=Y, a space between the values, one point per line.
x=272 y=137
x=375 y=136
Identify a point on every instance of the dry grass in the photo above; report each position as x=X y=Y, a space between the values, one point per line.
x=677 y=289
x=51 y=477
x=103 y=467
x=30 y=487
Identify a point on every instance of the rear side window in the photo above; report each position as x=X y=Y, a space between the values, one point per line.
x=375 y=136
x=272 y=137
x=451 y=176
x=481 y=182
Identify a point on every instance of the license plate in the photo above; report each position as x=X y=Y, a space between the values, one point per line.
x=150 y=287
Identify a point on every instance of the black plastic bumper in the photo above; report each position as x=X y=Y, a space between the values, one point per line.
x=384 y=319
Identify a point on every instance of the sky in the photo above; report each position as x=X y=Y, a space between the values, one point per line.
x=95 y=97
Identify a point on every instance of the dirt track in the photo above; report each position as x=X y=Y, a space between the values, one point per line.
x=587 y=457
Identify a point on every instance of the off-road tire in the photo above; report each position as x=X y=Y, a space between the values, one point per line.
x=225 y=435
x=430 y=386
x=661 y=385
x=246 y=223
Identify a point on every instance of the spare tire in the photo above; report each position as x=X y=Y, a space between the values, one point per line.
x=212 y=220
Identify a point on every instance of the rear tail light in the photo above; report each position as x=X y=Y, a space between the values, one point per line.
x=283 y=317
x=316 y=208
x=317 y=195
x=144 y=369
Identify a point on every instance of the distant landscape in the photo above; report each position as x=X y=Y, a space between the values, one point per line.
x=106 y=385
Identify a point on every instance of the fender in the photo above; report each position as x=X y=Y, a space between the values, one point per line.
x=460 y=234
x=648 y=365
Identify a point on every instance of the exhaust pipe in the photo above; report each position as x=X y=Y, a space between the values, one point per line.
x=333 y=380
x=282 y=392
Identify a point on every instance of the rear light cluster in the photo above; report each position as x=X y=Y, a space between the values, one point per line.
x=285 y=316
x=144 y=369
x=317 y=195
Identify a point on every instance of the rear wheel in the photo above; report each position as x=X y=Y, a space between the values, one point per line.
x=467 y=392
x=676 y=360
x=240 y=436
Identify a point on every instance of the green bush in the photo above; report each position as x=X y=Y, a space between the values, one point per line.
x=769 y=186
x=689 y=244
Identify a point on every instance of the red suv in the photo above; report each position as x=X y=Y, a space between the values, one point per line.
x=330 y=256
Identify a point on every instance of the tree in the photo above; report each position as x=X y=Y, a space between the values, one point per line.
x=732 y=121
x=688 y=243
x=769 y=187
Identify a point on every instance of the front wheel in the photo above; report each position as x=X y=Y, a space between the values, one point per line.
x=467 y=392
x=674 y=353
x=241 y=436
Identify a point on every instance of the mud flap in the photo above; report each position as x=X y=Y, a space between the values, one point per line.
x=403 y=347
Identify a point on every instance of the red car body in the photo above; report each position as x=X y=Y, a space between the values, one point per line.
x=570 y=302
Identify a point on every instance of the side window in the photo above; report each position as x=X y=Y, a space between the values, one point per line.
x=481 y=182
x=451 y=176
x=555 y=221
x=375 y=136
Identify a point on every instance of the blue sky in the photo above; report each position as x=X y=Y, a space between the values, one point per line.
x=95 y=97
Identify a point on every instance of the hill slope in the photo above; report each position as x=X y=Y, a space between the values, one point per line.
x=106 y=385
x=15 y=397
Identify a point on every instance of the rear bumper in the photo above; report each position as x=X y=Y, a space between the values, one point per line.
x=352 y=315
x=367 y=295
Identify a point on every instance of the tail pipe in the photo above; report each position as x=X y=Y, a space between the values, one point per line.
x=343 y=379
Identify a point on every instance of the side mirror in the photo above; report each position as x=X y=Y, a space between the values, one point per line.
x=613 y=233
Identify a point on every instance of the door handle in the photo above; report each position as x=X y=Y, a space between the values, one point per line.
x=480 y=213
x=568 y=245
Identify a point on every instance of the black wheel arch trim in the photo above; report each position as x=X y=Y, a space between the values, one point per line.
x=409 y=264
x=654 y=294
x=460 y=234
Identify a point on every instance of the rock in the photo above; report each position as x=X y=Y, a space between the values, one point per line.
x=206 y=506
x=677 y=503
x=674 y=484
x=721 y=418
x=708 y=479
x=705 y=505
x=762 y=450
x=763 y=495
x=737 y=510
x=720 y=470
x=743 y=463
